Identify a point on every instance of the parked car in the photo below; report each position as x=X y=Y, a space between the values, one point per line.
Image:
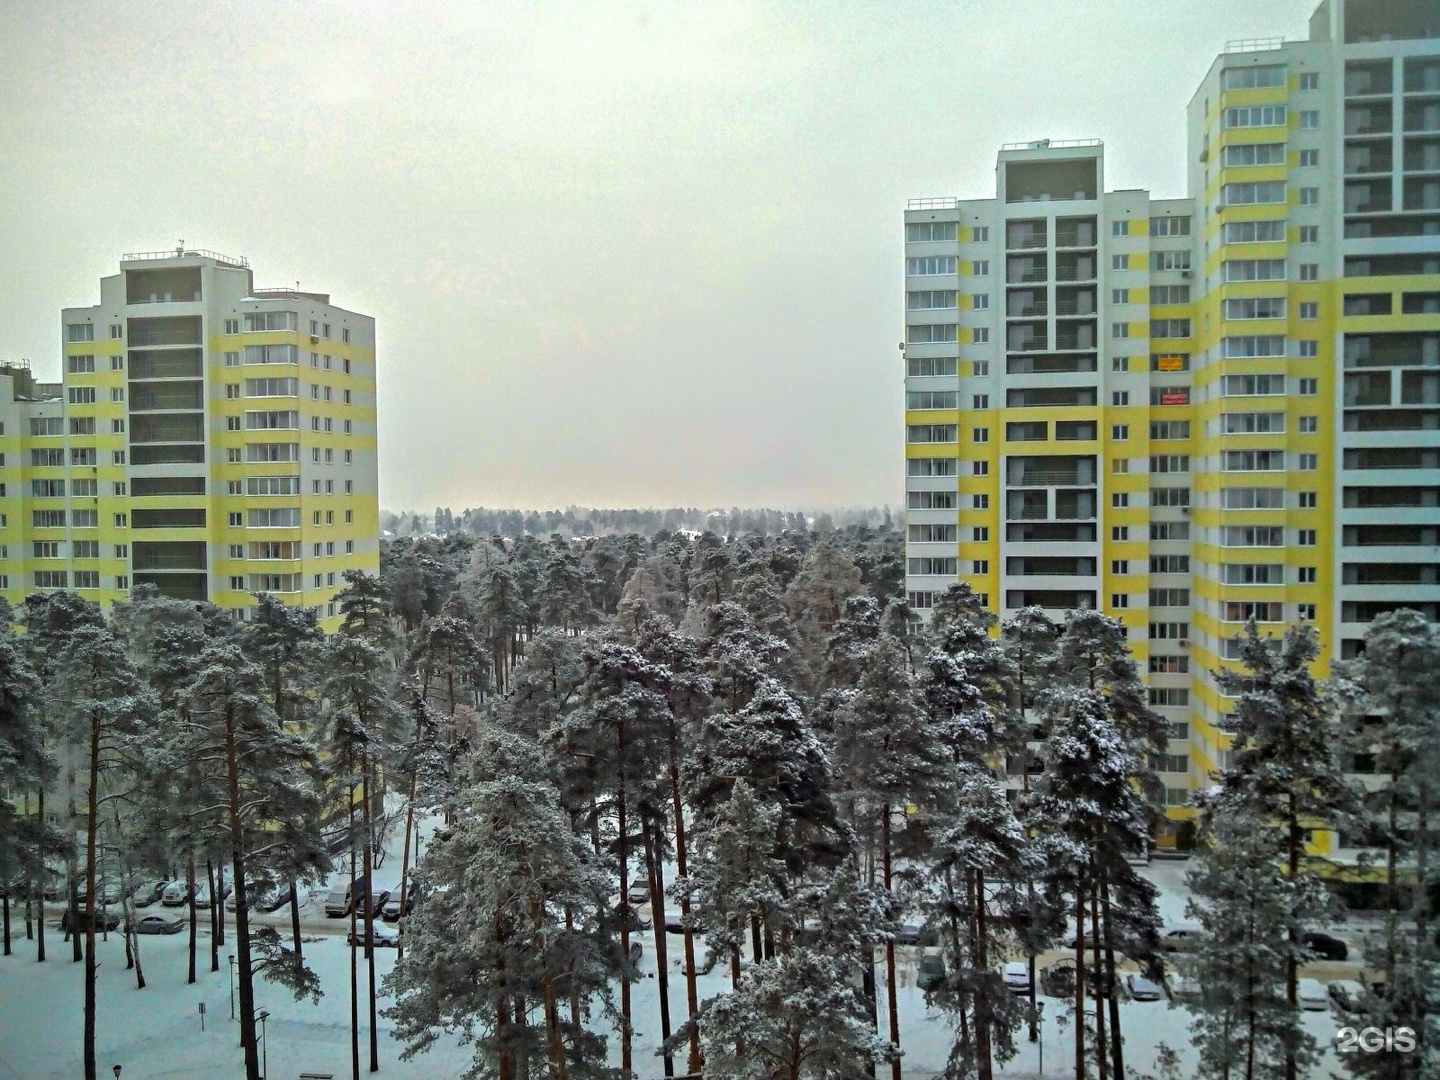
x=375 y=898
x=1313 y=996
x=1179 y=938
x=383 y=937
x=914 y=934
x=108 y=890
x=1327 y=946
x=633 y=919
x=1142 y=989
x=1346 y=995
x=932 y=971
x=636 y=952
x=175 y=894
x=674 y=924
x=1183 y=987
x=390 y=910
x=639 y=893
x=338 y=899
x=1017 y=977
x=104 y=920
x=159 y=923
x=262 y=896
x=148 y=893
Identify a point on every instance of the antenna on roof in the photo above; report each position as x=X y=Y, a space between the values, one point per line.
x=180 y=251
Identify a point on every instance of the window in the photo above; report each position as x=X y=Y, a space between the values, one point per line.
x=1170 y=260
x=121 y=521
x=263 y=321
x=1309 y=347
x=1169 y=597
x=122 y=581
x=232 y=326
x=1169 y=328
x=1309 y=387
x=1253 y=460
x=1120 y=296
x=1309 y=196
x=272 y=420
x=1309 y=310
x=1253 y=78
x=1252 y=573
x=1309 y=159
x=1254 y=232
x=1169 y=631
x=286 y=387
x=1305 y=612
x=1170 y=429
x=315 y=359
x=1119 y=363
x=237 y=583
x=117 y=363
x=930 y=265
x=1309 y=118
x=1120 y=465
x=1120 y=397
x=41 y=459
x=1119 y=432
x=1309 y=425
x=980 y=234
x=1252 y=536
x=1170 y=463
x=349 y=517
x=980 y=267
x=1169 y=294
x=276 y=518
x=236 y=521
x=117 y=393
x=929 y=366
x=80 y=332
x=45 y=549
x=349 y=544
x=1250 y=194
x=1170 y=226
x=47 y=489
x=47 y=519
x=932 y=399
x=948 y=567
x=1253 y=269
x=930 y=232
x=1169 y=564
x=1306 y=537
x=81 y=395
x=1119 y=228
x=79 y=365
x=1255 y=116
x=980 y=301
x=979 y=468
x=977 y=402
x=980 y=434
x=1169 y=530
x=1119 y=330
x=1252 y=498
x=1309 y=271
x=1119 y=499
x=1309 y=80
x=314 y=487
x=1170 y=496
x=1252 y=385
x=1119 y=600
x=928 y=300
x=325 y=331
x=1119 y=566
x=51 y=579
x=1253 y=154
x=931 y=534
x=929 y=333
x=1257 y=307
x=1120 y=532
x=1309 y=234
x=1309 y=462
x=1308 y=500
x=87 y=579
x=980 y=535
x=345 y=363
x=1305 y=575
x=981 y=336
x=915 y=433
x=1119 y=262
x=83 y=489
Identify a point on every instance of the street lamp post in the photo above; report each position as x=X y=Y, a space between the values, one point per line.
x=232 y=986
x=116 y=1070
x=1040 y=1025
x=262 y=1016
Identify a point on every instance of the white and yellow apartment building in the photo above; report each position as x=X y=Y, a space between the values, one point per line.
x=1192 y=412
x=209 y=438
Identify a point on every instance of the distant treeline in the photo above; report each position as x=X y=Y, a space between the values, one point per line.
x=585 y=521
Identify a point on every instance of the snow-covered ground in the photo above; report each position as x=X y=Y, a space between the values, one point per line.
x=157 y=1033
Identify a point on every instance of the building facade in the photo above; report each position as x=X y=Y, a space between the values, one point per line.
x=1193 y=412
x=209 y=438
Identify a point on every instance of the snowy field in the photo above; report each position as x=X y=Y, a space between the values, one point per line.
x=156 y=1032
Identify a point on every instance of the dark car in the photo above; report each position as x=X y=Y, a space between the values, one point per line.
x=1058 y=980
x=932 y=972
x=104 y=920
x=674 y=924
x=1331 y=948
x=375 y=898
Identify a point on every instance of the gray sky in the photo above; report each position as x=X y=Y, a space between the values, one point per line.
x=620 y=254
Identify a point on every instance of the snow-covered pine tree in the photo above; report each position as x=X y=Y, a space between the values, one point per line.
x=1086 y=816
x=563 y=597
x=976 y=853
x=260 y=778
x=712 y=574
x=1285 y=775
x=516 y=919
x=98 y=702
x=817 y=594
x=738 y=657
x=967 y=680
x=1395 y=684
x=1244 y=1027
x=365 y=604
x=26 y=765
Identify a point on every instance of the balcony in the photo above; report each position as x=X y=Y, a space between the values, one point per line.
x=185 y=330
x=1026 y=235
x=1423 y=115
x=1026 y=269
x=1364 y=120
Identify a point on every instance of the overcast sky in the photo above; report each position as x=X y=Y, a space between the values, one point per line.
x=629 y=254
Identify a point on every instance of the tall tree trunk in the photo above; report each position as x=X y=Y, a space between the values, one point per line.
x=627 y=1055
x=655 y=873
x=405 y=856
x=190 y=904
x=295 y=917
x=91 y=826
x=558 y=1064
x=213 y=894
x=1117 y=1049
x=40 y=897
x=1102 y=1056
x=985 y=1010
x=892 y=999
x=692 y=994
x=354 y=971
x=1079 y=979
x=369 y=907
x=1292 y=968
x=242 y=922
x=6 y=901
x=132 y=938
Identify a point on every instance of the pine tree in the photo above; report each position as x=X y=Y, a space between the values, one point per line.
x=1396 y=680
x=516 y=919
x=1285 y=775
x=1244 y=1026
x=365 y=607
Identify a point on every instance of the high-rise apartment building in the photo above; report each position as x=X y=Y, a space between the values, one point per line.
x=1193 y=412
x=209 y=438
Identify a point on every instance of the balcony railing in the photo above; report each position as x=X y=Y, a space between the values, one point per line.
x=186 y=253
x=140 y=339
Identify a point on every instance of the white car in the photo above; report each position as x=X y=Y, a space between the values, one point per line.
x=1142 y=989
x=1017 y=977
x=1180 y=938
x=175 y=894
x=1314 y=996
x=1183 y=987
